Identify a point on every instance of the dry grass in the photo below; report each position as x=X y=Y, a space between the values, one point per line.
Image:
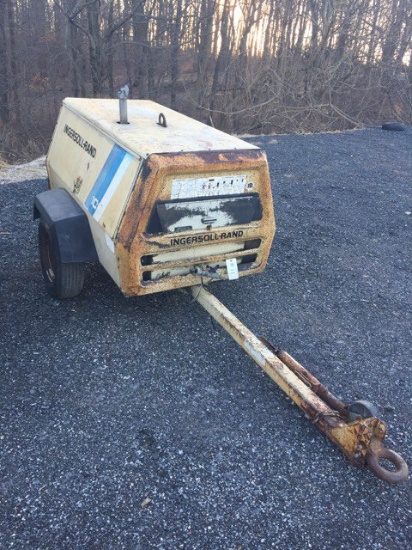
x=3 y=163
x=35 y=169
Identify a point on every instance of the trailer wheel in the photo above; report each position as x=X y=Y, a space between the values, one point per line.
x=62 y=280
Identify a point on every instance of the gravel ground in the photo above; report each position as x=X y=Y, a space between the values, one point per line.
x=138 y=423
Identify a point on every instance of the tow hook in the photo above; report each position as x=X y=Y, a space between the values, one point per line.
x=379 y=455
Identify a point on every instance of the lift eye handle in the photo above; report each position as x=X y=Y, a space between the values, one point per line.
x=162 y=120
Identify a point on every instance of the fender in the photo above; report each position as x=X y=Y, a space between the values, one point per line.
x=68 y=225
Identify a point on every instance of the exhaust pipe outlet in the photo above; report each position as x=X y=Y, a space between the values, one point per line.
x=123 y=95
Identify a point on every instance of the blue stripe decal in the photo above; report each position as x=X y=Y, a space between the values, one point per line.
x=104 y=179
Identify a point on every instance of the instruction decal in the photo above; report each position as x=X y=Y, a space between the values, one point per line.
x=230 y=184
x=232 y=269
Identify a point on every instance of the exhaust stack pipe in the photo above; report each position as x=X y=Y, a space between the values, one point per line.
x=123 y=94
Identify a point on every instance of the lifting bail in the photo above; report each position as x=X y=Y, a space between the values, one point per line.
x=361 y=440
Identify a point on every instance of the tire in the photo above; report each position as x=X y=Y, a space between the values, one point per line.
x=394 y=126
x=62 y=280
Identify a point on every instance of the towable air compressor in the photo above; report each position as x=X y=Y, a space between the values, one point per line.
x=164 y=202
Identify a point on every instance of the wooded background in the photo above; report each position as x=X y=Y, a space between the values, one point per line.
x=244 y=66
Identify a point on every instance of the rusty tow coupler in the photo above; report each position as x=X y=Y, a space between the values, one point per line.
x=354 y=429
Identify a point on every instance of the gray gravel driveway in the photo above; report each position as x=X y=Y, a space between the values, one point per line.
x=139 y=424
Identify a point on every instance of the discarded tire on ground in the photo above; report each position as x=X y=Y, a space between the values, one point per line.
x=394 y=126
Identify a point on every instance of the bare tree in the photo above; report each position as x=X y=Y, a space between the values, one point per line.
x=4 y=70
x=242 y=65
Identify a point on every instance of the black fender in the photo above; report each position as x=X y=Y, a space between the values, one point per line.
x=68 y=226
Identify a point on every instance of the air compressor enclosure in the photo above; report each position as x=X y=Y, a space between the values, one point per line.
x=166 y=197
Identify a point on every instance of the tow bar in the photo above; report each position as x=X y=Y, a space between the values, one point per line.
x=353 y=428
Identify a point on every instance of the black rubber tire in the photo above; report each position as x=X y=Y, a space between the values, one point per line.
x=62 y=280
x=394 y=126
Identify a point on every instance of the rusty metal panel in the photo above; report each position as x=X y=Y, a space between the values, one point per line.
x=156 y=185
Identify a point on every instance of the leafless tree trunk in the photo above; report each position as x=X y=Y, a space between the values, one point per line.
x=175 y=40
x=4 y=69
x=203 y=46
x=13 y=84
x=141 y=48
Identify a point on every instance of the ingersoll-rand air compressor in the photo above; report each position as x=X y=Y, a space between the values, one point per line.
x=163 y=202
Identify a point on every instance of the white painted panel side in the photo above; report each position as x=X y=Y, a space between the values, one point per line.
x=105 y=248
x=78 y=157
